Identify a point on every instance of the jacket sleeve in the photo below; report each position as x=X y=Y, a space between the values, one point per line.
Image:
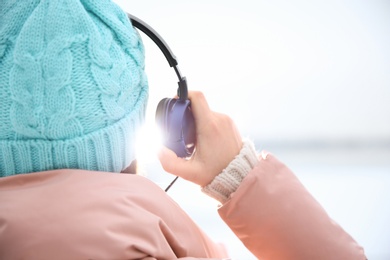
x=277 y=218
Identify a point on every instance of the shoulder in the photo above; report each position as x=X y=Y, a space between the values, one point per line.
x=117 y=212
x=103 y=190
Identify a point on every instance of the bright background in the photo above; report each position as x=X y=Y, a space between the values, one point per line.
x=307 y=80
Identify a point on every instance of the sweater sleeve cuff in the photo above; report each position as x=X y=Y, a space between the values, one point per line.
x=231 y=177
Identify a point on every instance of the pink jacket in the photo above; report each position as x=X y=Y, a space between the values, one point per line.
x=76 y=214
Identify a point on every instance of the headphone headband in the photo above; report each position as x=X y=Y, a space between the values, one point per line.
x=152 y=34
x=182 y=91
x=174 y=116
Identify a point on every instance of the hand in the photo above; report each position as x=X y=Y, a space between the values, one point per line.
x=217 y=143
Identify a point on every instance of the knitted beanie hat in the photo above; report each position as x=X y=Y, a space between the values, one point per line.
x=73 y=90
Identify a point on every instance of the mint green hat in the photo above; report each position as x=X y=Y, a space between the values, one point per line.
x=73 y=90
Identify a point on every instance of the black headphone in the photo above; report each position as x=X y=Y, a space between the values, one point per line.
x=173 y=116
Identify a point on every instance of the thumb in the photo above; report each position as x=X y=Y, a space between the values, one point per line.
x=177 y=166
x=173 y=164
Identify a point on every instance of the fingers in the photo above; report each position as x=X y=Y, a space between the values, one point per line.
x=199 y=105
x=218 y=142
x=198 y=98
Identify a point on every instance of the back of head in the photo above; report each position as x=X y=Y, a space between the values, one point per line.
x=73 y=90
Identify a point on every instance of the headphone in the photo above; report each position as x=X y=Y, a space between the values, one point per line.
x=173 y=115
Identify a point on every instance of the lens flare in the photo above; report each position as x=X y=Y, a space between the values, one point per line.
x=149 y=142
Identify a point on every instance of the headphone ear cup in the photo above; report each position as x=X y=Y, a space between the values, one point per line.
x=175 y=119
x=162 y=116
x=189 y=133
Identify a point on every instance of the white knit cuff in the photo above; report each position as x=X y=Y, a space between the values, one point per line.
x=230 y=178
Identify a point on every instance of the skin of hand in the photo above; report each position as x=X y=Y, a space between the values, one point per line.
x=217 y=143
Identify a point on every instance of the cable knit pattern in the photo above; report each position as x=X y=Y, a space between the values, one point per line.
x=230 y=178
x=73 y=90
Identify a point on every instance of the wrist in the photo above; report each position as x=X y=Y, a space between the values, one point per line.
x=227 y=182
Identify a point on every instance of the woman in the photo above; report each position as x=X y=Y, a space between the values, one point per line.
x=73 y=92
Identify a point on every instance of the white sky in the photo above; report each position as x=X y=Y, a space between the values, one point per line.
x=284 y=70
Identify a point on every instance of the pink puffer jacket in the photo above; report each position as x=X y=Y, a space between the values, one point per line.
x=76 y=214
